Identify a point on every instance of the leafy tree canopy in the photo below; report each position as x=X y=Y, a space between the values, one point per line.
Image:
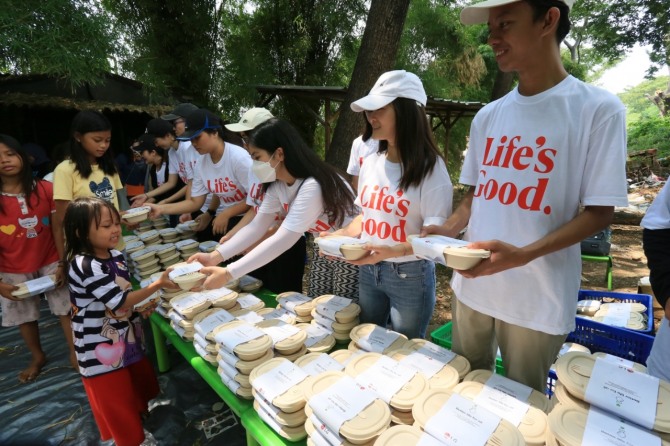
x=65 y=38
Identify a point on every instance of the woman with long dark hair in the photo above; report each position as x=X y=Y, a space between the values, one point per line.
x=301 y=190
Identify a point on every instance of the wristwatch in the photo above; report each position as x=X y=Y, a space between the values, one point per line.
x=211 y=212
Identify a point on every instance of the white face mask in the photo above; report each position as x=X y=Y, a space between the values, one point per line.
x=264 y=171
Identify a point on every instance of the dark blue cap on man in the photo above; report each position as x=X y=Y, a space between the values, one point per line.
x=199 y=121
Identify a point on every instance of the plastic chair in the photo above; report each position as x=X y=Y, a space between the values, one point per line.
x=603 y=259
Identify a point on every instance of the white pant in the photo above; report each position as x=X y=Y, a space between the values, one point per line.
x=658 y=363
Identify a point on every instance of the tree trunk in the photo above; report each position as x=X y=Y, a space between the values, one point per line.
x=502 y=85
x=377 y=54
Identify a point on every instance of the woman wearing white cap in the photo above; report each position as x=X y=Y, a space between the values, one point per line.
x=401 y=188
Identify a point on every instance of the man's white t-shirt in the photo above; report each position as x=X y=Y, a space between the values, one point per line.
x=160 y=175
x=228 y=178
x=533 y=161
x=391 y=214
x=658 y=214
x=299 y=206
x=188 y=158
x=359 y=151
x=173 y=156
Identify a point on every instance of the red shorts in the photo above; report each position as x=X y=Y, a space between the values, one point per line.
x=119 y=398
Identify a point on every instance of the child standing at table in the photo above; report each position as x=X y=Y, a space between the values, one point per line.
x=28 y=252
x=90 y=170
x=119 y=380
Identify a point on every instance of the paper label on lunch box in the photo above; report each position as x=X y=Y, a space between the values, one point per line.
x=341 y=402
x=251 y=317
x=428 y=440
x=209 y=323
x=461 y=421
x=438 y=353
x=199 y=341
x=331 y=438
x=616 y=360
x=432 y=248
x=40 y=285
x=233 y=337
x=502 y=404
x=184 y=243
x=175 y=317
x=293 y=300
x=248 y=280
x=616 y=319
x=179 y=330
x=512 y=388
x=248 y=301
x=228 y=358
x=280 y=331
x=319 y=439
x=323 y=321
x=213 y=295
x=230 y=371
x=279 y=380
x=422 y=363
x=190 y=301
x=229 y=382
x=315 y=333
x=378 y=340
x=623 y=391
x=323 y=363
x=386 y=377
x=269 y=419
x=624 y=308
x=331 y=245
x=279 y=314
x=185 y=269
x=201 y=350
x=605 y=429
x=334 y=304
x=270 y=408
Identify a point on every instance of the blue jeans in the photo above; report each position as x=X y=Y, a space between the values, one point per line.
x=404 y=291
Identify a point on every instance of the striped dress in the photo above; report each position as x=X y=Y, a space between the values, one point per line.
x=105 y=340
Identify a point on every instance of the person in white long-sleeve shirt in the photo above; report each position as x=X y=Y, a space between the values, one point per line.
x=305 y=192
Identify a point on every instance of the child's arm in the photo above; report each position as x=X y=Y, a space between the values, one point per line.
x=135 y=297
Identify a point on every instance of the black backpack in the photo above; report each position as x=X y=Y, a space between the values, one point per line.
x=598 y=244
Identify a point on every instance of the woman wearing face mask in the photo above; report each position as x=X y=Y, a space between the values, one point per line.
x=303 y=191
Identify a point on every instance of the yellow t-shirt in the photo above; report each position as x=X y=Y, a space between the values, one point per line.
x=69 y=184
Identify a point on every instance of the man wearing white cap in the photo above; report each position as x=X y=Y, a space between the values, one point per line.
x=536 y=155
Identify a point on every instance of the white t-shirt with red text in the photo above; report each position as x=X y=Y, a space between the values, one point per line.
x=188 y=158
x=299 y=206
x=359 y=151
x=391 y=214
x=254 y=192
x=533 y=161
x=228 y=178
x=173 y=156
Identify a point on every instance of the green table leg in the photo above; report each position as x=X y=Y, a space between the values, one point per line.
x=161 y=349
x=251 y=441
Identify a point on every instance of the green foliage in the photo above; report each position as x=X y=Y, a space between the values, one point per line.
x=636 y=99
x=64 y=38
x=650 y=133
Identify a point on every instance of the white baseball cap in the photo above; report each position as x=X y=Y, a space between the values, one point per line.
x=250 y=120
x=479 y=12
x=389 y=86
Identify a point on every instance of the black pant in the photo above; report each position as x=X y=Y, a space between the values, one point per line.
x=656 y=244
x=286 y=271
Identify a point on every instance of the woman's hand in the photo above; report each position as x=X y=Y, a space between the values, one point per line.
x=61 y=274
x=206 y=259
x=156 y=210
x=217 y=277
x=138 y=200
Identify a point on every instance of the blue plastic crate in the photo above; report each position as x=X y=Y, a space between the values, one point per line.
x=644 y=299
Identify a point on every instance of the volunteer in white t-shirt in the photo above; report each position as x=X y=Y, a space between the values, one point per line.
x=536 y=155
x=362 y=146
x=305 y=192
x=402 y=187
x=222 y=171
x=656 y=243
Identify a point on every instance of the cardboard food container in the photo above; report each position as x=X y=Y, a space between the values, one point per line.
x=447 y=251
x=348 y=248
x=136 y=215
x=35 y=286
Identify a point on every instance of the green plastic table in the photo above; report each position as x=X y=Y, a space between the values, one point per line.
x=257 y=432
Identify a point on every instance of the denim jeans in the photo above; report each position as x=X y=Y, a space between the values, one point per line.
x=404 y=291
